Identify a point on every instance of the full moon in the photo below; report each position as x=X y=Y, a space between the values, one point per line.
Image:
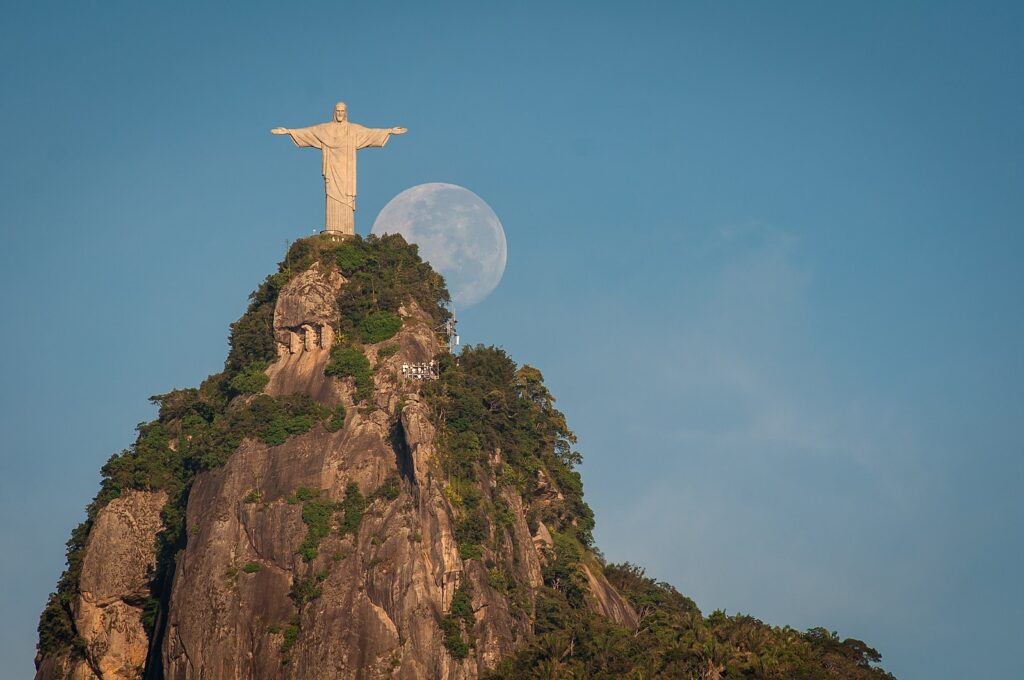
x=457 y=233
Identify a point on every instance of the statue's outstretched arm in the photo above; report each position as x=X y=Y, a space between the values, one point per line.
x=301 y=136
x=376 y=136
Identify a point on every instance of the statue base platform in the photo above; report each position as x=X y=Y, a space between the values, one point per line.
x=336 y=235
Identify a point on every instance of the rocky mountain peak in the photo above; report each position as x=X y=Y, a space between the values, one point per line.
x=347 y=499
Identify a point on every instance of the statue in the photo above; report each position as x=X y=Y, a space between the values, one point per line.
x=339 y=140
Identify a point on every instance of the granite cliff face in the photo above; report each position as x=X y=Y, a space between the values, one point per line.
x=114 y=582
x=349 y=500
x=333 y=553
x=384 y=588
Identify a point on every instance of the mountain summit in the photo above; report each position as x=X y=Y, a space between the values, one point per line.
x=347 y=499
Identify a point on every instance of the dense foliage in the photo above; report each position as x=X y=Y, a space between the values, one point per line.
x=348 y=361
x=485 y=403
x=252 y=336
x=673 y=640
x=384 y=273
x=251 y=380
x=352 y=509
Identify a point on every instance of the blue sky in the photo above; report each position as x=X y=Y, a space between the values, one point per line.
x=767 y=257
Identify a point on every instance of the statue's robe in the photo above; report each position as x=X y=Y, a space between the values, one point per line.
x=339 y=142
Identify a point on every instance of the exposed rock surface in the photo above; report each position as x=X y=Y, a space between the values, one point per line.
x=383 y=591
x=246 y=604
x=306 y=309
x=604 y=599
x=114 y=585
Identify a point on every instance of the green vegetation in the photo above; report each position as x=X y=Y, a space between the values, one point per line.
x=252 y=336
x=307 y=589
x=316 y=514
x=199 y=429
x=471 y=551
x=459 y=616
x=387 y=351
x=303 y=494
x=251 y=380
x=304 y=591
x=563 y=574
x=291 y=634
x=150 y=608
x=484 y=402
x=462 y=606
x=390 y=489
x=272 y=420
x=352 y=509
x=383 y=273
x=350 y=362
x=337 y=419
x=453 y=640
x=379 y=326
x=673 y=640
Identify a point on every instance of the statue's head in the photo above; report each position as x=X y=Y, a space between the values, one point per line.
x=340 y=112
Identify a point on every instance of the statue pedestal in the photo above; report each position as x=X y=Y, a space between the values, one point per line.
x=336 y=235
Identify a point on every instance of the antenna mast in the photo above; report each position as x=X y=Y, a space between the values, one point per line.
x=452 y=333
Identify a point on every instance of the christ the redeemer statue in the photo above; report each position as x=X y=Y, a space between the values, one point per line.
x=339 y=140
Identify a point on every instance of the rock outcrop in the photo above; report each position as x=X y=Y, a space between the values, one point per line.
x=306 y=311
x=114 y=586
x=382 y=591
x=252 y=597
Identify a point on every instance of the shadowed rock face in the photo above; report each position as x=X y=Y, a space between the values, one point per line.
x=374 y=598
